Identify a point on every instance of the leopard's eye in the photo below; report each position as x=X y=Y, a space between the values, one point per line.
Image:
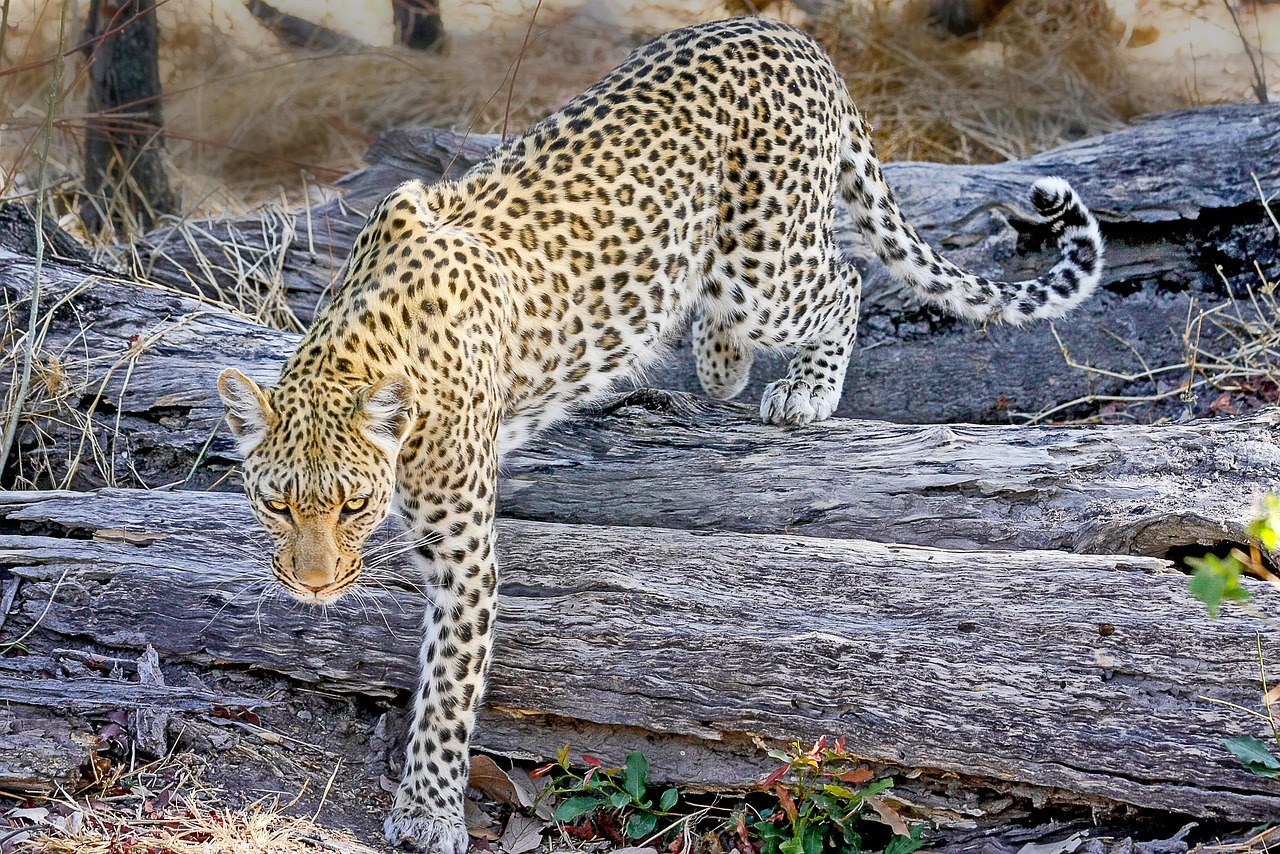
x=355 y=505
x=277 y=507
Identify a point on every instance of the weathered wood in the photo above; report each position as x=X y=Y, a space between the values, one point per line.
x=418 y=23
x=90 y=696
x=125 y=389
x=18 y=234
x=43 y=752
x=1176 y=196
x=47 y=741
x=1115 y=489
x=143 y=373
x=299 y=32
x=1073 y=678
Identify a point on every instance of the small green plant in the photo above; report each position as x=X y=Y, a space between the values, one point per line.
x=1217 y=579
x=821 y=795
x=607 y=794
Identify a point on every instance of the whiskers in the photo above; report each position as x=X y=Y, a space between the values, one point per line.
x=380 y=558
x=253 y=595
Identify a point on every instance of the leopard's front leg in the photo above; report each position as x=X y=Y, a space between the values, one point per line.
x=461 y=572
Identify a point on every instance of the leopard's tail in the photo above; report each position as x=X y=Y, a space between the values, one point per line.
x=938 y=281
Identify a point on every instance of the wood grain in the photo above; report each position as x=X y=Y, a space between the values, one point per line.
x=1080 y=678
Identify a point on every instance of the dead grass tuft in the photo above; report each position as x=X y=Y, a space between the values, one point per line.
x=1045 y=72
x=163 y=806
x=1235 y=346
x=58 y=441
x=243 y=111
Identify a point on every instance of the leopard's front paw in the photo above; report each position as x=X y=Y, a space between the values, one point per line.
x=798 y=402
x=417 y=831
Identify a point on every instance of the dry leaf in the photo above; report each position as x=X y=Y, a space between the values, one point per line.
x=889 y=816
x=523 y=834
x=1064 y=846
x=479 y=823
x=526 y=789
x=490 y=780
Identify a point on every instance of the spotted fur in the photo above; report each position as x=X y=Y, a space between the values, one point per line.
x=698 y=178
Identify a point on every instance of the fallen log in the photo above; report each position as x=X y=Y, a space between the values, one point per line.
x=1104 y=490
x=47 y=741
x=43 y=752
x=1176 y=195
x=126 y=397
x=1062 y=678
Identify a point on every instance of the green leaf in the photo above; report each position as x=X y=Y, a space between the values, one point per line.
x=1267 y=527
x=875 y=788
x=841 y=792
x=1254 y=755
x=906 y=844
x=641 y=824
x=668 y=799
x=792 y=846
x=1216 y=579
x=620 y=799
x=811 y=836
x=570 y=808
x=767 y=830
x=827 y=804
x=634 y=775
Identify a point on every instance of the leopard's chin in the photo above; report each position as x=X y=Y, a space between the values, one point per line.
x=324 y=596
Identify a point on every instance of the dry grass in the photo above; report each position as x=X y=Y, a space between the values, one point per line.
x=1235 y=346
x=163 y=806
x=247 y=118
x=1045 y=72
x=61 y=442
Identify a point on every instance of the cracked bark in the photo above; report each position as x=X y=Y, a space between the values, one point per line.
x=1062 y=679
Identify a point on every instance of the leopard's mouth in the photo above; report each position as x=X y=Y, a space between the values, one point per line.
x=324 y=595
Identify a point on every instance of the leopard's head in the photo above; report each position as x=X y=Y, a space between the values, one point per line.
x=319 y=470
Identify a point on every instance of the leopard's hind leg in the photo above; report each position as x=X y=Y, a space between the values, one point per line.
x=722 y=358
x=815 y=377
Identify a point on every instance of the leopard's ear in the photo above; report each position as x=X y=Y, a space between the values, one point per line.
x=386 y=410
x=249 y=412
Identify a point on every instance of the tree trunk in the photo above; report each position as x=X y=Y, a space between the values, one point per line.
x=1102 y=490
x=126 y=396
x=418 y=23
x=1069 y=679
x=125 y=179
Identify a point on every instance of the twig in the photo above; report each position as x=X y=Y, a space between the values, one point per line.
x=1266 y=692
x=515 y=73
x=1259 y=69
x=6 y=599
x=4 y=24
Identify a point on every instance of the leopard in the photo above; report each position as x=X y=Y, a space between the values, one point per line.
x=692 y=190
